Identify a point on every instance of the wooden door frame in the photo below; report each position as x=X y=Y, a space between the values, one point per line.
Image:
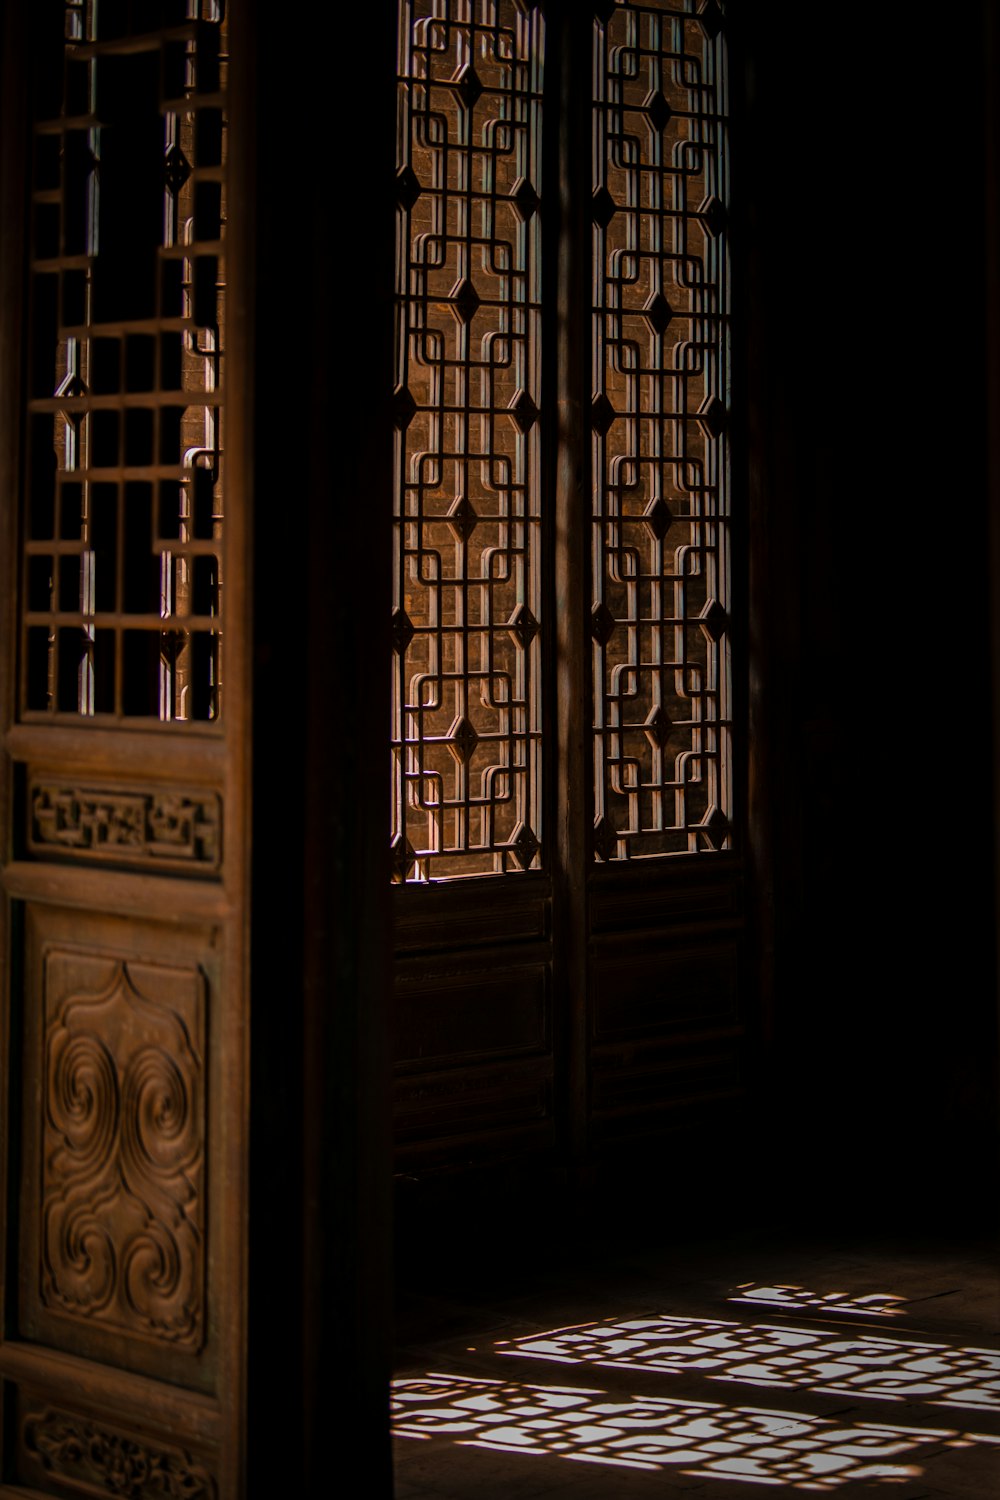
x=306 y=1337
x=92 y=910
x=566 y=1094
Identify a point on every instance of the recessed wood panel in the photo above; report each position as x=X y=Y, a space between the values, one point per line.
x=664 y=988
x=647 y=894
x=154 y=828
x=71 y=1451
x=470 y=914
x=472 y=1102
x=648 y=1082
x=115 y=1221
x=459 y=1013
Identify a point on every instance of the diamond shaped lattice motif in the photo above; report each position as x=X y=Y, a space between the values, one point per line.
x=658 y=517
x=711 y=416
x=710 y=17
x=523 y=626
x=713 y=620
x=605 y=840
x=71 y=385
x=658 y=727
x=524 y=198
x=602 y=623
x=403 y=858
x=525 y=845
x=468 y=86
x=176 y=169
x=604 y=10
x=408 y=186
x=602 y=414
x=712 y=214
x=715 y=826
x=523 y=410
x=658 y=313
x=462 y=740
x=464 y=301
x=403 y=407
x=603 y=207
x=658 y=110
x=462 y=518
x=402 y=630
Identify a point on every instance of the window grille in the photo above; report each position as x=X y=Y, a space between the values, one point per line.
x=474 y=538
x=467 y=586
x=123 y=521
x=660 y=617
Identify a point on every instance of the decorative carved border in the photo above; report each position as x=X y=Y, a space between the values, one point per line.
x=148 y=826
x=94 y=1458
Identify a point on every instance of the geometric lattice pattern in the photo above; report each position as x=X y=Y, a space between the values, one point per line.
x=782 y=1449
x=122 y=589
x=467 y=585
x=661 y=575
x=780 y=1358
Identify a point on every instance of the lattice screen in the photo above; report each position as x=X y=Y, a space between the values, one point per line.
x=660 y=617
x=123 y=519
x=470 y=520
x=466 y=708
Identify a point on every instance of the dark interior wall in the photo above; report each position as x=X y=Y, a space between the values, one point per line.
x=862 y=157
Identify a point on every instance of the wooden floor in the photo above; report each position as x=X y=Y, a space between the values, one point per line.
x=502 y=1395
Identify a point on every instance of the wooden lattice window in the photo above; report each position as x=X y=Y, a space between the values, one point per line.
x=123 y=518
x=468 y=554
x=479 y=435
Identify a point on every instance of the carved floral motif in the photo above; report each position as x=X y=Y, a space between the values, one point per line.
x=134 y=827
x=96 y=1458
x=123 y=1147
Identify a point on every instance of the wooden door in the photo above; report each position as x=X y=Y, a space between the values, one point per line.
x=568 y=624
x=124 y=747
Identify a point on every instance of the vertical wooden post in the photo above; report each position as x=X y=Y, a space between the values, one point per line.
x=320 y=1287
x=12 y=192
x=346 y=1273
x=569 y=47
x=991 y=62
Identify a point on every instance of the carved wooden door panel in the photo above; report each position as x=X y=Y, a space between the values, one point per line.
x=565 y=591
x=123 y=702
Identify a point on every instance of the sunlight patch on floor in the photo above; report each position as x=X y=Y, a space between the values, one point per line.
x=697 y=1438
x=778 y=1358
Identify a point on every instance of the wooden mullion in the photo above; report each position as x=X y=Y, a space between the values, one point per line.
x=570 y=44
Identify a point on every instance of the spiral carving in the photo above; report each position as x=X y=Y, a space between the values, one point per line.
x=155 y=1272
x=83 y=1099
x=158 y=1127
x=89 y=1269
x=122 y=1211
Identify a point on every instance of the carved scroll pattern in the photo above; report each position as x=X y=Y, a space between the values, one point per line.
x=95 y=1458
x=133 y=827
x=122 y=1233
